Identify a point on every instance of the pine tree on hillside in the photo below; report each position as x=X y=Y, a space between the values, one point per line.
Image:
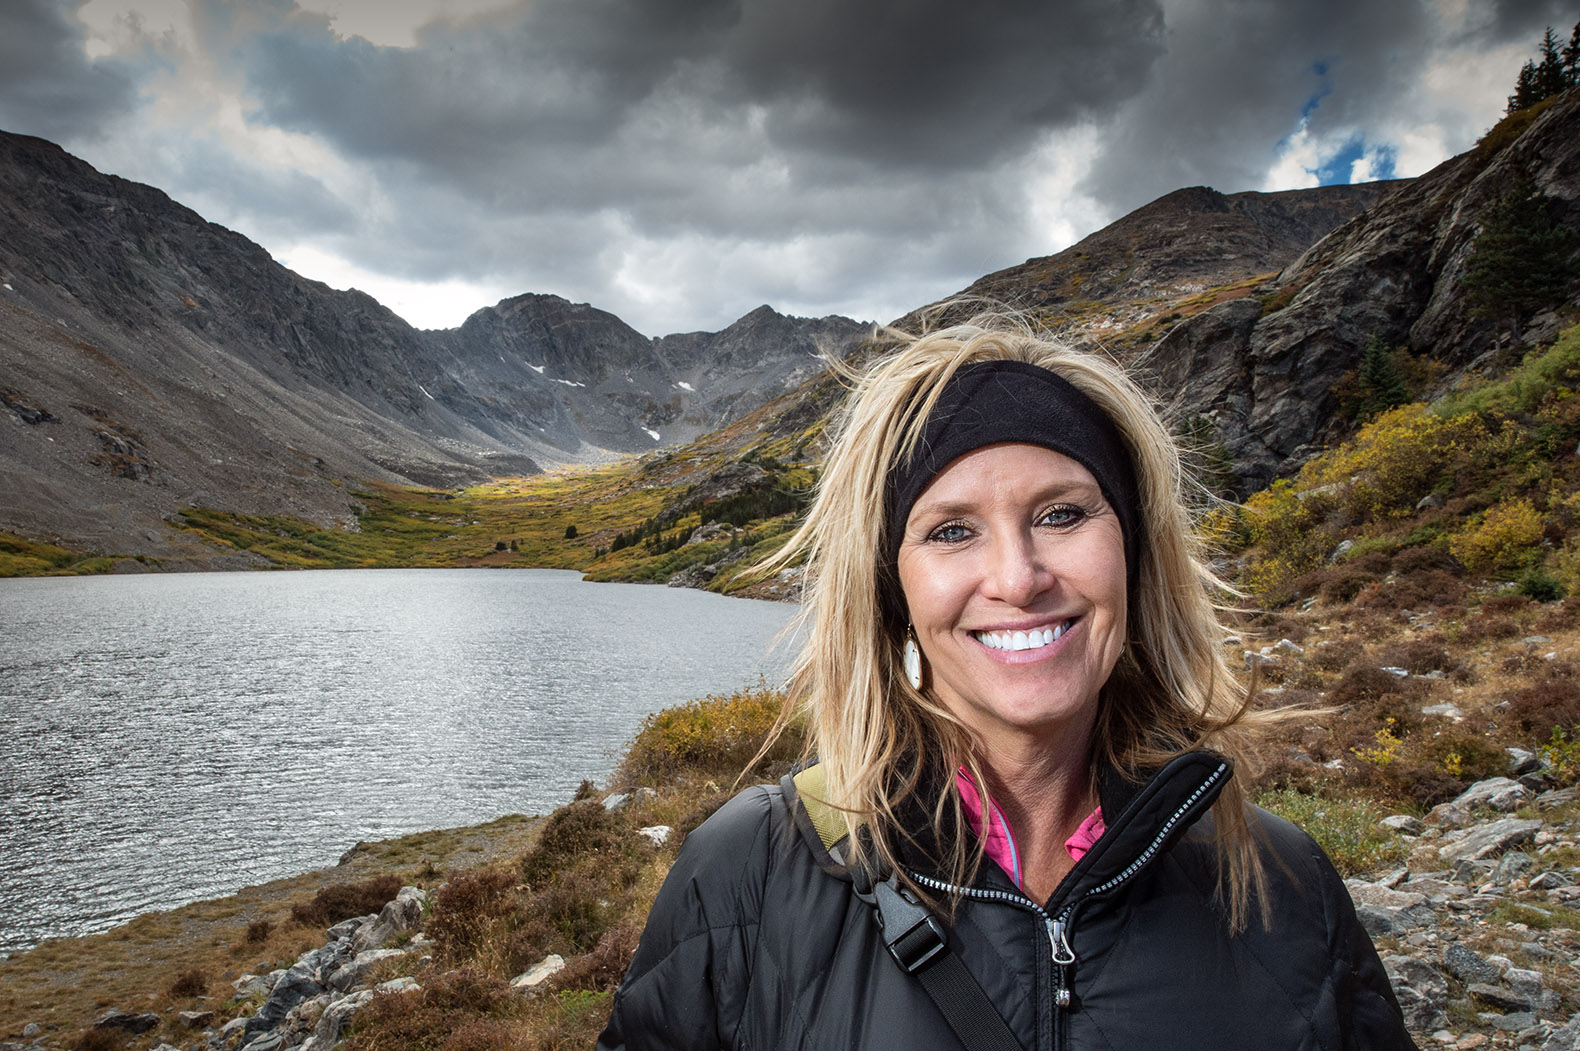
x=1381 y=384
x=1550 y=77
x=1521 y=260
x=1556 y=72
x=1524 y=88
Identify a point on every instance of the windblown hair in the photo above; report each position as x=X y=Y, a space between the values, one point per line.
x=885 y=745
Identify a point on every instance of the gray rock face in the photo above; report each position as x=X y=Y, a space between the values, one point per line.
x=353 y=971
x=299 y=982
x=402 y=914
x=1393 y=271
x=1484 y=841
x=1499 y=793
x=1499 y=998
x=1422 y=991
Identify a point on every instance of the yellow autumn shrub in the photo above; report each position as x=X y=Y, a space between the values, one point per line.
x=1507 y=536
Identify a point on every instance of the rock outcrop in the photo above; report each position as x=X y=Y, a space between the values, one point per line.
x=1267 y=373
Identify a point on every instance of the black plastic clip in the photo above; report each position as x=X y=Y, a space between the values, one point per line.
x=912 y=935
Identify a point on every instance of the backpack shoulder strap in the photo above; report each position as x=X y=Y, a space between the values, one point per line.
x=913 y=935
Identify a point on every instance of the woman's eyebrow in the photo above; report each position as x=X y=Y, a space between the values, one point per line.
x=1053 y=491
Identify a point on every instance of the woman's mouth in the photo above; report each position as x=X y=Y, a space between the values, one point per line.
x=1034 y=638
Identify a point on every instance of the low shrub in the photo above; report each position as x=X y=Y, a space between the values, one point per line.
x=1540 y=587
x=572 y=834
x=259 y=930
x=1364 y=682
x=577 y=1018
x=492 y=1034
x=1417 y=656
x=1506 y=537
x=345 y=900
x=715 y=737
x=1467 y=757
x=1561 y=755
x=1423 y=589
x=106 y=1039
x=189 y=984
x=602 y=969
x=426 y=1018
x=468 y=912
x=1346 y=829
x=1544 y=705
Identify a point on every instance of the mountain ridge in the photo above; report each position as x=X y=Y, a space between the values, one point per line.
x=172 y=362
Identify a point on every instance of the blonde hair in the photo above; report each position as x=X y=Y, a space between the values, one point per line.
x=879 y=739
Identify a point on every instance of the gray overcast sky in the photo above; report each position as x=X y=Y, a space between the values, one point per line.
x=680 y=162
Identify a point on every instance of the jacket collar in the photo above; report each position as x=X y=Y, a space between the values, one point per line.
x=1143 y=820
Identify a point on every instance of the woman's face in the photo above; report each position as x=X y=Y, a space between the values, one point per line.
x=1013 y=569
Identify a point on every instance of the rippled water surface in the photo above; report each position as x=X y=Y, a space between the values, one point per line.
x=170 y=738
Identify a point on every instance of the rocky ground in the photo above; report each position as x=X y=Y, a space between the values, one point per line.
x=1478 y=929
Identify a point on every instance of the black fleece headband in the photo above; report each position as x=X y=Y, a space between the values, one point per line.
x=988 y=402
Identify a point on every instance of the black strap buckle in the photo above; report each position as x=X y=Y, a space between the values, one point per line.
x=912 y=935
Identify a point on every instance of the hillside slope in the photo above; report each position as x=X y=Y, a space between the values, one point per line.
x=151 y=361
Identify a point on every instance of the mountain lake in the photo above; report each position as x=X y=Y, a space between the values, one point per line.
x=169 y=738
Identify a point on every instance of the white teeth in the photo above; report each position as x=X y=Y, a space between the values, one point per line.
x=1021 y=640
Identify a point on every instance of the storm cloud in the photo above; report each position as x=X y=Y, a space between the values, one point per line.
x=681 y=161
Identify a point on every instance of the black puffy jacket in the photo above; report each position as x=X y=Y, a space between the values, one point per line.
x=757 y=941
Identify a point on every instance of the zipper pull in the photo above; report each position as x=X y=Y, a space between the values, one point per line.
x=1063 y=956
x=1062 y=953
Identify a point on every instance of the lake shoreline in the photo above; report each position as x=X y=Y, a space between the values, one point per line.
x=58 y=983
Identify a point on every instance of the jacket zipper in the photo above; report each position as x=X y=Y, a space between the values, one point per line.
x=1059 y=927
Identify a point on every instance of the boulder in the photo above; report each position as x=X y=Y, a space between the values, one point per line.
x=333 y=1021
x=1421 y=989
x=1513 y=866
x=1404 y=824
x=299 y=982
x=1499 y=793
x=1497 y=997
x=402 y=914
x=657 y=835
x=132 y=1023
x=1566 y=1038
x=538 y=973
x=350 y=973
x=1469 y=966
x=346 y=928
x=405 y=984
x=1490 y=840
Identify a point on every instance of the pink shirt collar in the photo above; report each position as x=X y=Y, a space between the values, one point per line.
x=999 y=839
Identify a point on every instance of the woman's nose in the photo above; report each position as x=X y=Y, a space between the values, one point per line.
x=1016 y=573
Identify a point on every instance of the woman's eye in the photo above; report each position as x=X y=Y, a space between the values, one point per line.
x=1063 y=515
x=949 y=533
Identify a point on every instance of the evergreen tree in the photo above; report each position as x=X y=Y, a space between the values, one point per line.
x=1557 y=71
x=1550 y=78
x=1521 y=260
x=1381 y=384
x=1524 y=88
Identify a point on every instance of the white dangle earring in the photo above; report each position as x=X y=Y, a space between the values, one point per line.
x=912 y=656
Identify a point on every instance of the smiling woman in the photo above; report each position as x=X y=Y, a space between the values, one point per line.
x=1023 y=799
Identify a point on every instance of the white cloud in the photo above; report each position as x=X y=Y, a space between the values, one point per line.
x=680 y=163
x=423 y=304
